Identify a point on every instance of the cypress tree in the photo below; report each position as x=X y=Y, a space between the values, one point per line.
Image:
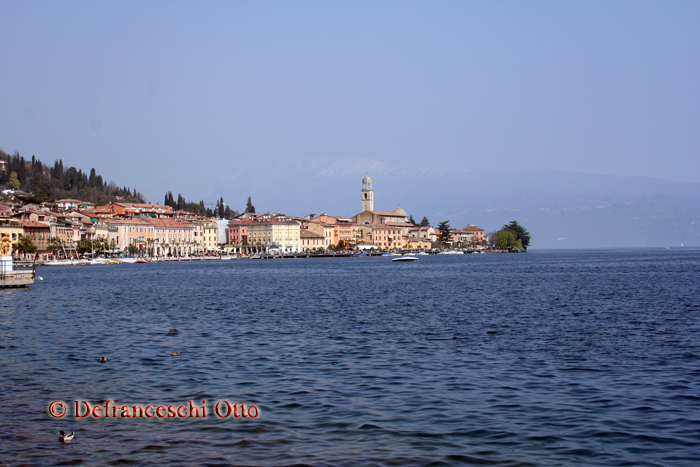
x=249 y=206
x=22 y=171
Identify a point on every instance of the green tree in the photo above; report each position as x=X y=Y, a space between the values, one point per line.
x=411 y=220
x=38 y=197
x=25 y=245
x=444 y=236
x=99 y=244
x=14 y=181
x=425 y=222
x=194 y=208
x=132 y=249
x=55 y=243
x=519 y=232
x=249 y=208
x=505 y=238
x=84 y=245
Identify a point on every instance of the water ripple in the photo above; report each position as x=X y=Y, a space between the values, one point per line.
x=552 y=358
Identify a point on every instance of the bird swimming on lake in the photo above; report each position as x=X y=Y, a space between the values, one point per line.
x=65 y=437
x=103 y=359
x=172 y=331
x=174 y=354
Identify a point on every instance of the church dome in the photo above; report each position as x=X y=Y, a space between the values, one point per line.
x=366 y=180
x=400 y=211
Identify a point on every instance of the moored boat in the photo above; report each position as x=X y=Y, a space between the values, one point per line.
x=63 y=262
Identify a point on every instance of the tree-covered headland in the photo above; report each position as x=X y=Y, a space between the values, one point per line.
x=511 y=235
x=46 y=183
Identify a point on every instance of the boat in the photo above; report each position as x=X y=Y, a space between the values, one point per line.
x=99 y=261
x=422 y=253
x=63 y=262
x=404 y=259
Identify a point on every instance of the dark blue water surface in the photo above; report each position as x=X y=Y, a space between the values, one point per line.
x=545 y=358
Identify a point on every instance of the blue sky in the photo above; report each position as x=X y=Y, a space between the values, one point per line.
x=195 y=97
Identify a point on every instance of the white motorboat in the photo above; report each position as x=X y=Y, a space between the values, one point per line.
x=63 y=262
x=404 y=259
x=99 y=261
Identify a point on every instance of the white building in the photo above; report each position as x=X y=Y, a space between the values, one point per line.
x=222 y=231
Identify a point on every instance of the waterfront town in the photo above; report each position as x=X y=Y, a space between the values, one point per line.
x=68 y=227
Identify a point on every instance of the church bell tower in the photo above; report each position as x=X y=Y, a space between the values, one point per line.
x=367 y=195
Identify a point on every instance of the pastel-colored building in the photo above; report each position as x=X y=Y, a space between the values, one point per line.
x=416 y=243
x=341 y=228
x=386 y=236
x=310 y=241
x=39 y=233
x=139 y=209
x=469 y=235
x=238 y=232
x=13 y=228
x=363 y=234
x=210 y=241
x=275 y=234
x=132 y=231
x=421 y=231
x=66 y=204
x=174 y=237
x=324 y=230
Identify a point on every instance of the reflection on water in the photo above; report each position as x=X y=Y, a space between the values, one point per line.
x=552 y=358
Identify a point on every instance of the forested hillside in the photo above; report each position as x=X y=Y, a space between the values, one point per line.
x=47 y=183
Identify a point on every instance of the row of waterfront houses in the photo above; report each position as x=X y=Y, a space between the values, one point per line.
x=152 y=229
x=157 y=230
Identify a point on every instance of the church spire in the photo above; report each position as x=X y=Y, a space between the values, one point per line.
x=367 y=194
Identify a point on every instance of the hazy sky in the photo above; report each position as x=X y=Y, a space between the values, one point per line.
x=157 y=95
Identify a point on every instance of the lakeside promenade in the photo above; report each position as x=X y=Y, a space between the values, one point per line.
x=309 y=254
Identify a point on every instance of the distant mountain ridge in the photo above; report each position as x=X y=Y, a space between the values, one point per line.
x=560 y=209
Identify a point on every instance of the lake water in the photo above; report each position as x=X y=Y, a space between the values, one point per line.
x=545 y=358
